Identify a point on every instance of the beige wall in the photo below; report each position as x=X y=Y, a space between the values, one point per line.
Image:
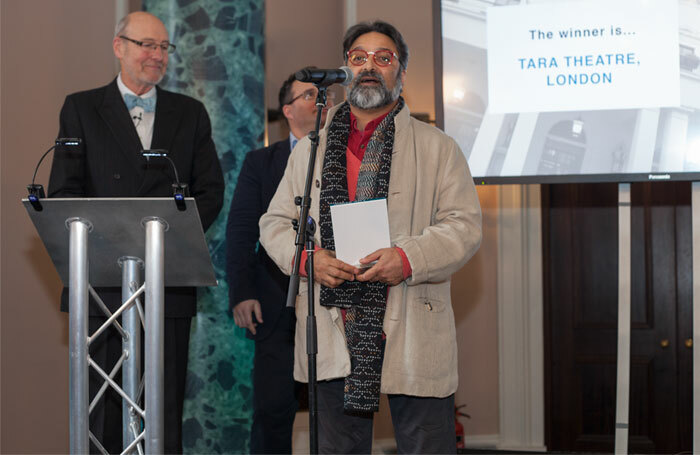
x=72 y=52
x=474 y=297
x=49 y=48
x=294 y=40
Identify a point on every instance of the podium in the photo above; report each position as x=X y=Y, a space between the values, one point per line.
x=100 y=242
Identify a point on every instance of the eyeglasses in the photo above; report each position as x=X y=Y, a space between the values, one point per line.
x=310 y=94
x=383 y=57
x=151 y=46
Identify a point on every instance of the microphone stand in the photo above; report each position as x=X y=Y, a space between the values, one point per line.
x=36 y=191
x=306 y=228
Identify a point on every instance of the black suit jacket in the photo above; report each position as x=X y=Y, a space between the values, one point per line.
x=109 y=163
x=252 y=274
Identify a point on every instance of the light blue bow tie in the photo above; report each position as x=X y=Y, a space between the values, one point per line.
x=147 y=104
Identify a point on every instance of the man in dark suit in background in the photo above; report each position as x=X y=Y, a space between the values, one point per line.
x=116 y=122
x=257 y=288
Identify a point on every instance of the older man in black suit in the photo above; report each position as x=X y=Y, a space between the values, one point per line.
x=116 y=122
x=257 y=288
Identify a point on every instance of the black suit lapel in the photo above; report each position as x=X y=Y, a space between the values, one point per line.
x=283 y=148
x=166 y=121
x=165 y=125
x=113 y=112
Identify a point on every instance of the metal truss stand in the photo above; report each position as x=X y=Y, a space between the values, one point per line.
x=124 y=231
x=132 y=316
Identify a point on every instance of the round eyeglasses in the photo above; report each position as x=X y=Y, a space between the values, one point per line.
x=382 y=57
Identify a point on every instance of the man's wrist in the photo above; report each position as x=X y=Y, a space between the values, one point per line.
x=406 y=269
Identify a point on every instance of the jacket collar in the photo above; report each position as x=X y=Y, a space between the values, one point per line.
x=166 y=121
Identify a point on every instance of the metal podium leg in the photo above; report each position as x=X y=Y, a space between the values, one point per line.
x=131 y=369
x=155 y=234
x=78 y=338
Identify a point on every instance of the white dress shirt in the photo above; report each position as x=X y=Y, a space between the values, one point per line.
x=143 y=121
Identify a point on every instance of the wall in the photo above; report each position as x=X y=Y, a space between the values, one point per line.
x=298 y=34
x=44 y=57
x=474 y=298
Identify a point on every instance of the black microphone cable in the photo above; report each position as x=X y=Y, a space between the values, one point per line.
x=36 y=192
x=180 y=190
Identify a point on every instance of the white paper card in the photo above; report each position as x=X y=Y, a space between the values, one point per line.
x=360 y=228
x=583 y=55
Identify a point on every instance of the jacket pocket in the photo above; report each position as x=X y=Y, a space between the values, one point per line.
x=430 y=337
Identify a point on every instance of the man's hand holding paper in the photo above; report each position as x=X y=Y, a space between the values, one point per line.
x=388 y=268
x=332 y=272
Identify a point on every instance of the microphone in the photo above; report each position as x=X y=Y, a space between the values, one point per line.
x=324 y=78
x=180 y=190
x=137 y=117
x=157 y=153
x=72 y=141
x=36 y=191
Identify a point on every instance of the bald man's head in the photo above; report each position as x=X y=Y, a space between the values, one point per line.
x=142 y=66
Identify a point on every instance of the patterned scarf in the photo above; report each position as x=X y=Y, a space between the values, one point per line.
x=365 y=303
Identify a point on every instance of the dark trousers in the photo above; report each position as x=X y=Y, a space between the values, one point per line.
x=274 y=390
x=106 y=418
x=421 y=424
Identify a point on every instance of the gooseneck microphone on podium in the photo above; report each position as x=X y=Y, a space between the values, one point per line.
x=180 y=190
x=36 y=191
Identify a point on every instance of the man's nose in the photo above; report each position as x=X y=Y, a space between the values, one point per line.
x=370 y=64
x=159 y=54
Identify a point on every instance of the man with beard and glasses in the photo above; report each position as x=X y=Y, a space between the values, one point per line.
x=388 y=328
x=116 y=122
x=257 y=287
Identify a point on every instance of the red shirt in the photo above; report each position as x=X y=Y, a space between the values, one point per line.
x=357 y=144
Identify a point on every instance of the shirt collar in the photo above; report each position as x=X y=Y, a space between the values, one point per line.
x=292 y=141
x=371 y=126
x=123 y=89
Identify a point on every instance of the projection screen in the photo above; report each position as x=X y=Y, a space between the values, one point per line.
x=571 y=91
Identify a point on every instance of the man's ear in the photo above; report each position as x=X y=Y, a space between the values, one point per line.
x=287 y=111
x=117 y=47
x=403 y=77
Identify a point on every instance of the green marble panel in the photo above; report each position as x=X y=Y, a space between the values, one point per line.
x=220 y=61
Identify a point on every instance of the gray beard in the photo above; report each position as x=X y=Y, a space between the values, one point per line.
x=373 y=97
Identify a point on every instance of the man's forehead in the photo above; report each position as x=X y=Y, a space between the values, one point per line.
x=374 y=41
x=147 y=27
x=300 y=87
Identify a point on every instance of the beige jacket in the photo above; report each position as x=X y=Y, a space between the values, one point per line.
x=434 y=216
